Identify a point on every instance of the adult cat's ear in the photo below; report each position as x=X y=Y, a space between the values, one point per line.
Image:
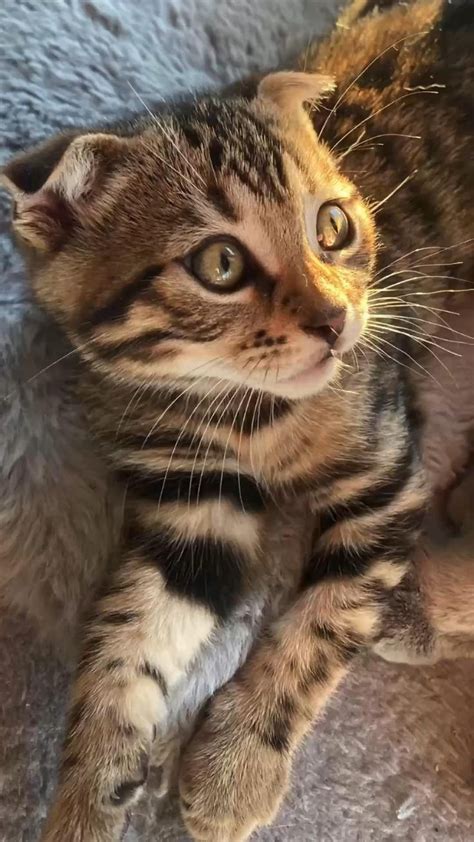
x=289 y=90
x=56 y=185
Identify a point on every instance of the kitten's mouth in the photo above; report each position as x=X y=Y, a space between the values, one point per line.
x=310 y=379
x=310 y=371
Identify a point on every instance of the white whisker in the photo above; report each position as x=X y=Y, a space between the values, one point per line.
x=435 y=249
x=423 y=338
x=379 y=111
x=48 y=367
x=140 y=390
x=418 y=321
x=364 y=70
x=406 y=354
x=181 y=433
x=191 y=386
x=227 y=444
x=230 y=396
x=378 y=205
x=168 y=136
x=424 y=275
x=416 y=362
x=202 y=434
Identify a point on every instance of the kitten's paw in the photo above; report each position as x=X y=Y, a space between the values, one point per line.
x=231 y=780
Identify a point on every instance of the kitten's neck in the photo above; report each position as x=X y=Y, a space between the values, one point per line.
x=261 y=435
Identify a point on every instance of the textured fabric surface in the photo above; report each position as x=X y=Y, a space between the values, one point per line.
x=392 y=758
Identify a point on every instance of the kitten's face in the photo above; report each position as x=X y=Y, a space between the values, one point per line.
x=219 y=243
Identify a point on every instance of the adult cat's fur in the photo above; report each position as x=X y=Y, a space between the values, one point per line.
x=127 y=680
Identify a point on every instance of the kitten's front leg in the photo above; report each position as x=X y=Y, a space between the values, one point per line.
x=193 y=546
x=235 y=770
x=138 y=645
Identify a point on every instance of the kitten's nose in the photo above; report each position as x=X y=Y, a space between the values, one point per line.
x=327 y=325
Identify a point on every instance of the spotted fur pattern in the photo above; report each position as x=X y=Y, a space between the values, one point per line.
x=217 y=410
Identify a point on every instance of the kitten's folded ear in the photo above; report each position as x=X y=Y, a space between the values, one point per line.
x=58 y=184
x=289 y=90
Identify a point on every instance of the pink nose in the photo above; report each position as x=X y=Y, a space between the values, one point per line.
x=328 y=326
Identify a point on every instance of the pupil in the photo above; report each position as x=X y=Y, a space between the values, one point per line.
x=225 y=263
x=334 y=224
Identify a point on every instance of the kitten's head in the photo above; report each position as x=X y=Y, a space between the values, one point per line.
x=216 y=240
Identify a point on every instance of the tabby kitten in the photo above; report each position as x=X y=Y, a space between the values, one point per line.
x=214 y=265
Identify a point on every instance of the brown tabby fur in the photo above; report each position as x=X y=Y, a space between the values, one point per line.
x=184 y=390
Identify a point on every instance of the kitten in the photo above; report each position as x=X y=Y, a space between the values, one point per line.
x=221 y=275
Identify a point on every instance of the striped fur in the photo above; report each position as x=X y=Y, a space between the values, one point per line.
x=217 y=409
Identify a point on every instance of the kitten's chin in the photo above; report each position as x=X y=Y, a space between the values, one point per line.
x=310 y=381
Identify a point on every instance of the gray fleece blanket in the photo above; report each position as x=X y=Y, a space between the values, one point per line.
x=392 y=758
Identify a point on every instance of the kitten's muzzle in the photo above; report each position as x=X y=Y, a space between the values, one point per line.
x=328 y=325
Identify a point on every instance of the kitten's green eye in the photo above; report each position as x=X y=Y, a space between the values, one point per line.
x=220 y=265
x=333 y=227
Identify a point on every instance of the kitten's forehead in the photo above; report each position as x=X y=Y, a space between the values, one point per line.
x=224 y=138
x=221 y=140
x=220 y=166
